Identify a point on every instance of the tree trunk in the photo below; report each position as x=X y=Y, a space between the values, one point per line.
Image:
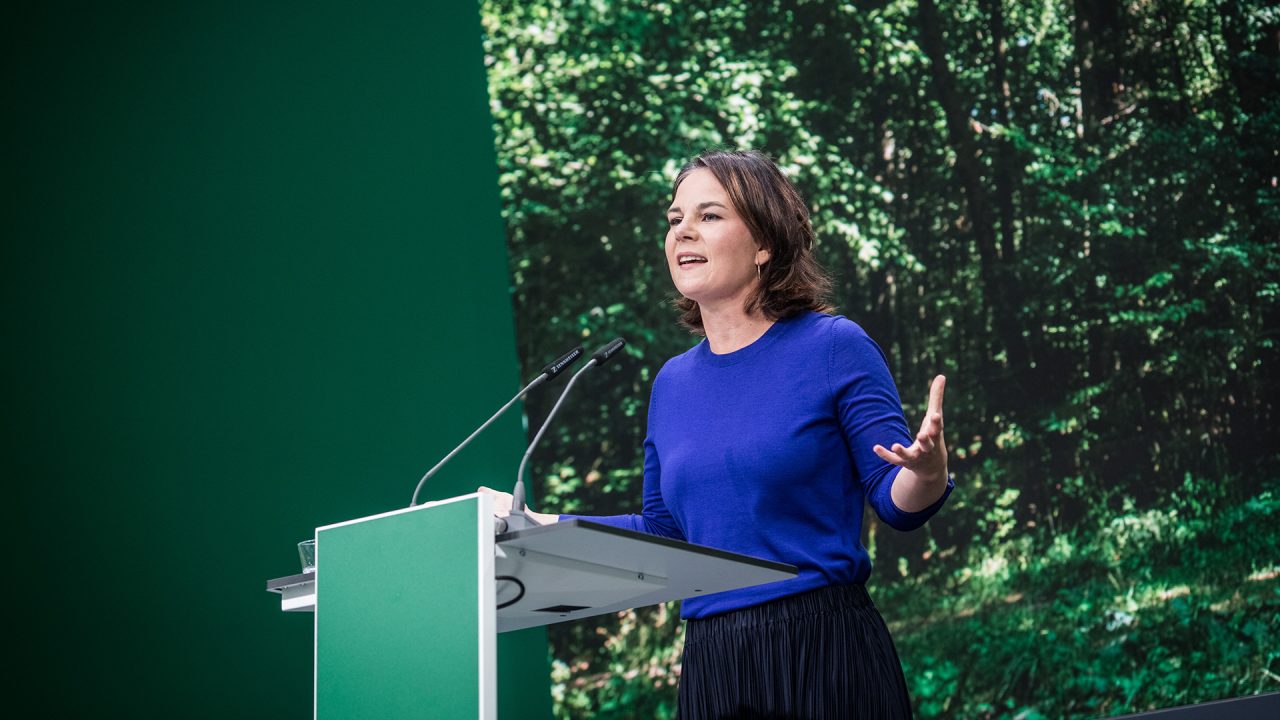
x=1004 y=165
x=1097 y=63
x=1000 y=293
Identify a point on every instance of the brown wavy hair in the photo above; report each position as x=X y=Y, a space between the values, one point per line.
x=792 y=281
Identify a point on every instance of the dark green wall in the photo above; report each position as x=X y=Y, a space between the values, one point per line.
x=254 y=282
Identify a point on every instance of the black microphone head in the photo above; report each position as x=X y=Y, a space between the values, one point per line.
x=559 y=364
x=608 y=350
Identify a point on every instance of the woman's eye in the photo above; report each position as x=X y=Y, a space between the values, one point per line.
x=710 y=216
x=674 y=221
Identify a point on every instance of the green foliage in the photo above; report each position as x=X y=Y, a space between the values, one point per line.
x=1139 y=611
x=1070 y=208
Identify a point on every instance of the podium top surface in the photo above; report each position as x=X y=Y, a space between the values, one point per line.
x=578 y=568
x=556 y=534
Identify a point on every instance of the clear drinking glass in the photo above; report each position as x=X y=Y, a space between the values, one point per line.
x=307 y=553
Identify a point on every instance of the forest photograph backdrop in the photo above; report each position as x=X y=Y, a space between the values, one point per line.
x=1067 y=207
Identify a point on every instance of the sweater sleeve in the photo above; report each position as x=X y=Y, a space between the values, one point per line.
x=870 y=413
x=654 y=518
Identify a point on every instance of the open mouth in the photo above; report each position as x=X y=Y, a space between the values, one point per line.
x=687 y=259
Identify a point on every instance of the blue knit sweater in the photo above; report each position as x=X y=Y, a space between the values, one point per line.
x=766 y=451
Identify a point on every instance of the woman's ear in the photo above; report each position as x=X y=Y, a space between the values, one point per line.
x=762 y=256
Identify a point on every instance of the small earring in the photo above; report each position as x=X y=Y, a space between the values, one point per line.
x=758 y=271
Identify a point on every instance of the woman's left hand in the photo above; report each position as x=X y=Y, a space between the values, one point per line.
x=927 y=456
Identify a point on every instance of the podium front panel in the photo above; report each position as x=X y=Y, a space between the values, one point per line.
x=405 y=623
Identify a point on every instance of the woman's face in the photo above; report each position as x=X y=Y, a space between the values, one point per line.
x=710 y=252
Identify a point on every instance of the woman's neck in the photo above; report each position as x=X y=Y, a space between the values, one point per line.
x=732 y=329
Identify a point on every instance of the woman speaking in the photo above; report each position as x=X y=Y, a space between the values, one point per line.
x=765 y=439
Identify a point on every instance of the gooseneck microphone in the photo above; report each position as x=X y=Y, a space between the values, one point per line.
x=519 y=519
x=548 y=373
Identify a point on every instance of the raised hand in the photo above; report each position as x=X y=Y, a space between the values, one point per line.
x=927 y=456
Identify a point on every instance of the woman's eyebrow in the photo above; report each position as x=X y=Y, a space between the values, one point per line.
x=701 y=206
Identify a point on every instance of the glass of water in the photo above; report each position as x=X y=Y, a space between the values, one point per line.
x=307 y=553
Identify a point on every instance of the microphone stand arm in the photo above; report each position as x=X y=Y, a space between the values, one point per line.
x=536 y=382
x=519 y=519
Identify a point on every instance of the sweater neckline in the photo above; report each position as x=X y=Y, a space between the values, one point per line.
x=757 y=346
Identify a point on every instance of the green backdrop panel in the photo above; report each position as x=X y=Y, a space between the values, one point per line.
x=254 y=282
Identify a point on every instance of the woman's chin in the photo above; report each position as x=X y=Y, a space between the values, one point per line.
x=689 y=291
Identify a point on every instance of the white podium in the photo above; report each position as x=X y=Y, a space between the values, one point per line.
x=408 y=603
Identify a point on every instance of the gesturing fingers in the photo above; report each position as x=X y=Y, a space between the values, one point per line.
x=925 y=440
x=908 y=454
x=936 y=391
x=931 y=426
x=889 y=457
x=929 y=448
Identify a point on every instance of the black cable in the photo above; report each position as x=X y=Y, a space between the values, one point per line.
x=516 y=599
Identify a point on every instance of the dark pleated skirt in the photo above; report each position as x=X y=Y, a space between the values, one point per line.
x=821 y=654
